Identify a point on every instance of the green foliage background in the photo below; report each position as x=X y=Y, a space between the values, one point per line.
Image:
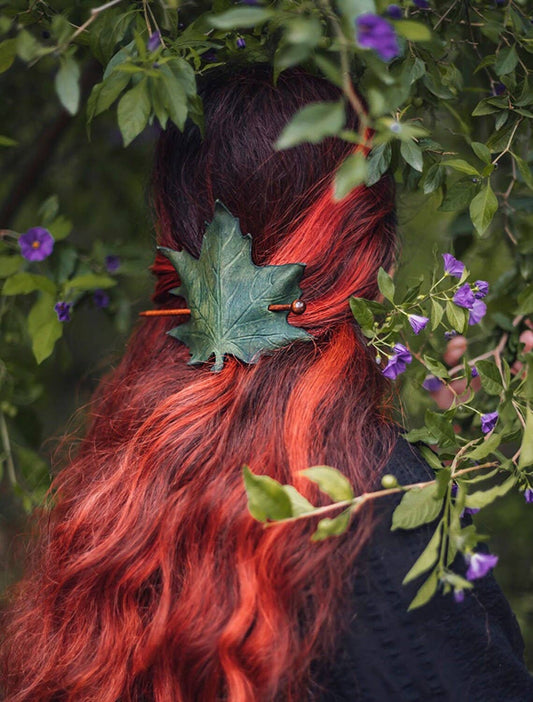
x=443 y=92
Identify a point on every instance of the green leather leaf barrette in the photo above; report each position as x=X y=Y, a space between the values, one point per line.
x=231 y=299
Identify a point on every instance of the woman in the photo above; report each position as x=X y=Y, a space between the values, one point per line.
x=152 y=581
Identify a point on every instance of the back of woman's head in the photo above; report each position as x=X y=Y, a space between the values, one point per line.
x=151 y=581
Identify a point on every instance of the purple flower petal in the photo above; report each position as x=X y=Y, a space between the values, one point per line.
x=100 y=298
x=478 y=311
x=422 y=4
x=417 y=322
x=154 y=41
x=528 y=495
x=36 y=244
x=464 y=297
x=112 y=263
x=241 y=43
x=458 y=595
x=475 y=372
x=452 y=266
x=488 y=421
x=432 y=384
x=481 y=289
x=398 y=361
x=450 y=334
x=63 y=311
x=374 y=32
x=479 y=565
x=394 y=12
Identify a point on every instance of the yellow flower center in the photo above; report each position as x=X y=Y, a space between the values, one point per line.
x=35 y=244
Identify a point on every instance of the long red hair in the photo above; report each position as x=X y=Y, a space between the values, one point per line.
x=150 y=580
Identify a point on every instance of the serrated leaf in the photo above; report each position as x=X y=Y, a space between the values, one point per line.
x=24 y=283
x=426 y=591
x=330 y=481
x=427 y=558
x=229 y=296
x=350 y=174
x=483 y=208
x=133 y=112
x=312 y=123
x=491 y=380
x=482 y=498
x=67 y=82
x=385 y=284
x=44 y=327
x=332 y=527
x=418 y=506
x=266 y=497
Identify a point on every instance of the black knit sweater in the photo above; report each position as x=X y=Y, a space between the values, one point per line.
x=470 y=651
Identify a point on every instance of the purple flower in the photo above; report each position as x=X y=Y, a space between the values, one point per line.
x=452 y=266
x=394 y=12
x=475 y=372
x=481 y=289
x=422 y=4
x=469 y=510
x=450 y=334
x=397 y=362
x=417 y=322
x=100 y=298
x=112 y=263
x=241 y=43
x=498 y=89
x=478 y=311
x=464 y=297
x=488 y=421
x=479 y=565
x=528 y=495
x=154 y=41
x=63 y=311
x=374 y=32
x=458 y=595
x=432 y=384
x=210 y=56
x=36 y=244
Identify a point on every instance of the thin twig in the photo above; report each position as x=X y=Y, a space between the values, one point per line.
x=10 y=465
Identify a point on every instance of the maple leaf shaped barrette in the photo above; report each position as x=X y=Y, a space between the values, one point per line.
x=234 y=305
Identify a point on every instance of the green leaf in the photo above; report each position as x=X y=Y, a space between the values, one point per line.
x=104 y=94
x=433 y=178
x=457 y=316
x=485 y=448
x=378 y=162
x=266 y=497
x=437 y=312
x=490 y=377
x=506 y=61
x=331 y=481
x=44 y=327
x=436 y=367
x=481 y=151
x=441 y=427
x=10 y=265
x=458 y=195
x=332 y=527
x=412 y=153
x=174 y=98
x=312 y=123
x=421 y=434
x=483 y=208
x=7 y=141
x=24 y=283
x=458 y=164
x=526 y=447
x=353 y=8
x=427 y=558
x=91 y=281
x=67 y=84
x=525 y=170
x=229 y=296
x=8 y=51
x=241 y=17
x=426 y=591
x=482 y=498
x=413 y=31
x=133 y=112
x=431 y=457
x=351 y=173
x=299 y=504
x=385 y=284
x=525 y=301
x=418 y=506
x=362 y=313
x=60 y=228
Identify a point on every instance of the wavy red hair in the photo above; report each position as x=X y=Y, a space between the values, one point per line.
x=150 y=580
